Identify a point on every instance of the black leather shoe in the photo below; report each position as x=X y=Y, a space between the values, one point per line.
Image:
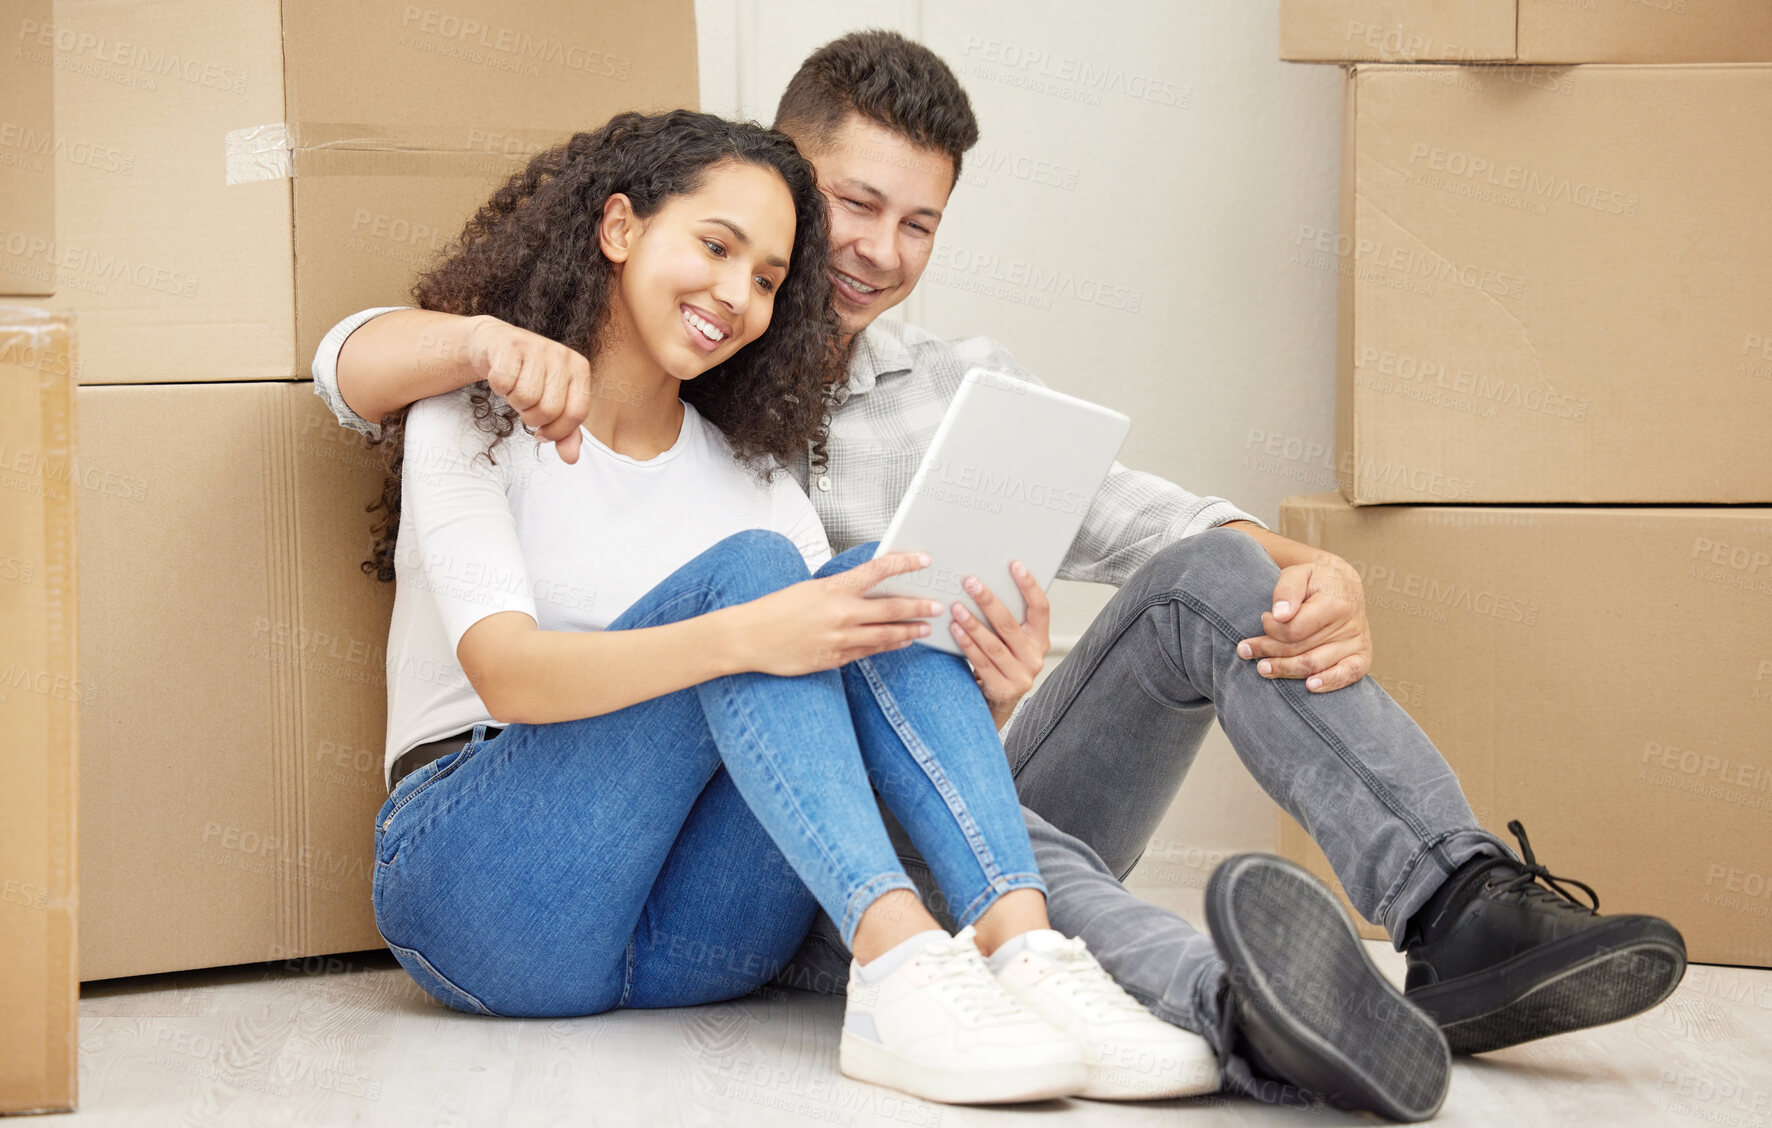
x=1305 y=1005
x=1498 y=958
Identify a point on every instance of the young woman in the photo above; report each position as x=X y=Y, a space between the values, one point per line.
x=692 y=723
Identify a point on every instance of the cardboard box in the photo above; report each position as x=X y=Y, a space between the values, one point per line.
x=1604 y=675
x=1555 y=285
x=39 y=893
x=232 y=679
x=1313 y=31
x=28 y=153
x=1526 y=31
x=254 y=171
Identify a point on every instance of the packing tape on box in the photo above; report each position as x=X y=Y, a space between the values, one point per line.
x=259 y=152
x=27 y=338
x=268 y=152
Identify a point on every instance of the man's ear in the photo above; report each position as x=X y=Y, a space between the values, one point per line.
x=618 y=229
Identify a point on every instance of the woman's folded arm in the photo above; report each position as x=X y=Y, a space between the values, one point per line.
x=401 y=357
x=531 y=676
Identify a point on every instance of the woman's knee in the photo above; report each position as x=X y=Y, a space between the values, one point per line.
x=764 y=550
x=849 y=558
x=752 y=563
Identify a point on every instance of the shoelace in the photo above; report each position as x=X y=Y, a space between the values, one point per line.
x=1531 y=872
x=1093 y=987
x=956 y=965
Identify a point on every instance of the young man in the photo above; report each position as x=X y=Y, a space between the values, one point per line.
x=1214 y=613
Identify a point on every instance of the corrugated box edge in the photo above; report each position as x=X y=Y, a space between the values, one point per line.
x=36 y=329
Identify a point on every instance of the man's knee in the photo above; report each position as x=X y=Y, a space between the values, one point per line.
x=1225 y=568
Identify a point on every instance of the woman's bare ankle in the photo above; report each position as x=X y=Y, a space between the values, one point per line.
x=894 y=917
x=1015 y=912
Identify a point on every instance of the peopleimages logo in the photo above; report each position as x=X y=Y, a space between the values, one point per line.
x=1707 y=765
x=135 y=57
x=970 y=480
x=1449 y=594
x=90 y=270
x=1093 y=78
x=516 y=44
x=1739 y=881
x=982 y=163
x=1371 y=471
x=398 y=230
x=1519 y=178
x=1392 y=41
x=955 y=266
x=1496 y=390
x=23 y=351
x=1737 y=556
x=35 y=147
x=1410 y=261
x=49 y=471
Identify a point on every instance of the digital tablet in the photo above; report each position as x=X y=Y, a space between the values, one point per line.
x=1009 y=476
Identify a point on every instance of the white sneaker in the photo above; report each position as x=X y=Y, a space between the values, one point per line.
x=939 y=1026
x=1131 y=1054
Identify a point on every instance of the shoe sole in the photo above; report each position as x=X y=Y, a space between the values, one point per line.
x=1295 y=956
x=1116 y=1083
x=862 y=1060
x=1546 y=990
x=1167 y=1073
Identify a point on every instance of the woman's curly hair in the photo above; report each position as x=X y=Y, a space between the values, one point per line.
x=531 y=257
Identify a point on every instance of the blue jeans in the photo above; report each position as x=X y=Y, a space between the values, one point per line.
x=676 y=851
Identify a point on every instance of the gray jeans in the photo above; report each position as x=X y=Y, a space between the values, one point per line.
x=1100 y=749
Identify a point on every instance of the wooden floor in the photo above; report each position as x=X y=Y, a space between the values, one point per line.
x=354 y=1041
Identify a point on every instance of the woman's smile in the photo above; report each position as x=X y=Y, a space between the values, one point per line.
x=706 y=332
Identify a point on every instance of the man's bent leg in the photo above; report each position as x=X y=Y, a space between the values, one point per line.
x=1161 y=655
x=1101 y=747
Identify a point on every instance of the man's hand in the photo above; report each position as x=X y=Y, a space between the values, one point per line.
x=547 y=383
x=1006 y=655
x=1317 y=629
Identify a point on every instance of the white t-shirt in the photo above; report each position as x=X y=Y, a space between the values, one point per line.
x=570 y=545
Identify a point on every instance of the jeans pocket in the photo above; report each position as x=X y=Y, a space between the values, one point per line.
x=399 y=805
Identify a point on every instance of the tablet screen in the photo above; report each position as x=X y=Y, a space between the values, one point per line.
x=1009 y=475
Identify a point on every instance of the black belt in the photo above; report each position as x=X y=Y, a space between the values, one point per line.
x=419 y=755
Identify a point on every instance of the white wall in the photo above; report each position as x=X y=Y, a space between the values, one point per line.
x=1188 y=159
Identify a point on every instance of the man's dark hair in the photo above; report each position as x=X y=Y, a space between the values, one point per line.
x=887 y=79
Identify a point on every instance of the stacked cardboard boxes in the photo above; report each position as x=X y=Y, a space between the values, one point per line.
x=39 y=765
x=237 y=176
x=1526 y=31
x=1555 y=386
x=231 y=179
x=27 y=165
x=1601 y=673
x=1554 y=288
x=39 y=714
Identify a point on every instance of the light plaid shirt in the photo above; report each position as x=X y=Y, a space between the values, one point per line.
x=901 y=380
